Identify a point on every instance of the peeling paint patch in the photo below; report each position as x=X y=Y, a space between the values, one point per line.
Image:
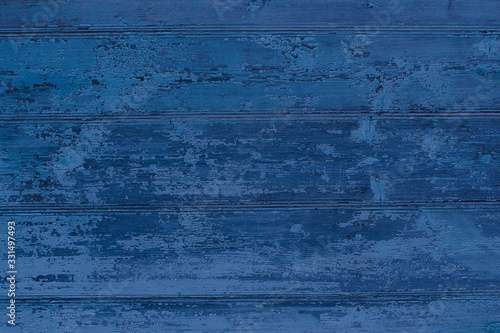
x=365 y=132
x=379 y=189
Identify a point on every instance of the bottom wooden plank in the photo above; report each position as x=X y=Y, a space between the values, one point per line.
x=447 y=314
x=278 y=251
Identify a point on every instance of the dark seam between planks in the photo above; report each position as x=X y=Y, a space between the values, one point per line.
x=227 y=30
x=252 y=115
x=385 y=297
x=403 y=206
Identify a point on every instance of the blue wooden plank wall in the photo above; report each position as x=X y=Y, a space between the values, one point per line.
x=251 y=165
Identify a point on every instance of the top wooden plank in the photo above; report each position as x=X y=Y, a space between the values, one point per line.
x=29 y=15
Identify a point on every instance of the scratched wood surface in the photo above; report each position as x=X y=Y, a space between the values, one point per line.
x=85 y=14
x=267 y=161
x=230 y=252
x=249 y=73
x=252 y=166
x=384 y=314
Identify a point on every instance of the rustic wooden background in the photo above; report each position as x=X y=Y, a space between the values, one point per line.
x=252 y=165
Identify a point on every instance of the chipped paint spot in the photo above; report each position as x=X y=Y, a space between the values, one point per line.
x=379 y=189
x=365 y=131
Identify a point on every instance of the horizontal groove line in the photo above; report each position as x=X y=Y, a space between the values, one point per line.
x=274 y=298
x=229 y=29
x=462 y=205
x=325 y=115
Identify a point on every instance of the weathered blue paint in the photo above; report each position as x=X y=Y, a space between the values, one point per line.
x=314 y=166
x=250 y=73
x=243 y=161
x=215 y=251
x=260 y=14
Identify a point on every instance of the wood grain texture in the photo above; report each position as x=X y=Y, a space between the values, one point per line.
x=225 y=161
x=257 y=252
x=252 y=166
x=231 y=73
x=294 y=315
x=29 y=14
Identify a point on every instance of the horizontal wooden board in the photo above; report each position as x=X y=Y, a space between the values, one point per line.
x=248 y=73
x=30 y=14
x=249 y=161
x=385 y=315
x=258 y=252
x=252 y=165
